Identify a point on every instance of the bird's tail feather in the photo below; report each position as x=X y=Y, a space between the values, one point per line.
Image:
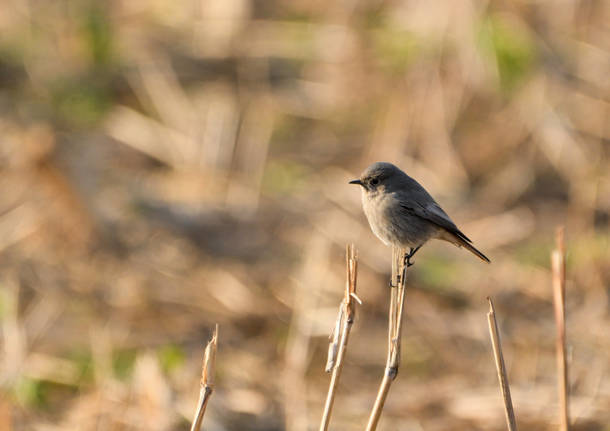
x=476 y=252
x=461 y=242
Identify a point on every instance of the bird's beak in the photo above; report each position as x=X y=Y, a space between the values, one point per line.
x=356 y=182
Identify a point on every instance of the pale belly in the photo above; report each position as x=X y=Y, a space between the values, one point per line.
x=393 y=225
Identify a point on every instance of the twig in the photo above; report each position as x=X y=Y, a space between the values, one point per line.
x=397 y=304
x=345 y=319
x=207 y=380
x=500 y=367
x=559 y=300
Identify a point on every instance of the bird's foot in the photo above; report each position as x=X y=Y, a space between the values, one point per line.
x=407 y=262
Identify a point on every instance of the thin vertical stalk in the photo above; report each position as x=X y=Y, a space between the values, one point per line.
x=338 y=345
x=559 y=301
x=500 y=367
x=207 y=380
x=395 y=317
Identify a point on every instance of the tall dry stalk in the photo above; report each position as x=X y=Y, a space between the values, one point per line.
x=559 y=301
x=500 y=367
x=397 y=303
x=343 y=326
x=207 y=380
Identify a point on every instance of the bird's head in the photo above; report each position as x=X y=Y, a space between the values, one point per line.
x=379 y=177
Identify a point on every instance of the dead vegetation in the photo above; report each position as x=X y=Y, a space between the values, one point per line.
x=164 y=169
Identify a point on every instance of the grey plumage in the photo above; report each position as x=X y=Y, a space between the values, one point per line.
x=402 y=213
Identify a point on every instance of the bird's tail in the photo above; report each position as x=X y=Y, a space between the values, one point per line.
x=474 y=251
x=462 y=241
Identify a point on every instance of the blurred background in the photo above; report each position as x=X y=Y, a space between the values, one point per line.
x=168 y=165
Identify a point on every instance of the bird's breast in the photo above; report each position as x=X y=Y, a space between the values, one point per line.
x=377 y=208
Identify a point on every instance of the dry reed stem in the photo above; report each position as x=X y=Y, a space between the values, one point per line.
x=207 y=380
x=559 y=300
x=397 y=303
x=500 y=367
x=343 y=325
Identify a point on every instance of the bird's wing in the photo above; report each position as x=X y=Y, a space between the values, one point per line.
x=432 y=212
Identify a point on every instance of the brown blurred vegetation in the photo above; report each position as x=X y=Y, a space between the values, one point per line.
x=168 y=165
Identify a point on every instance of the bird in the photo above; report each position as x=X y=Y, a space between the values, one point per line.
x=402 y=213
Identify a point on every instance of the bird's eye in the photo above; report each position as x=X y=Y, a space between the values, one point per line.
x=375 y=181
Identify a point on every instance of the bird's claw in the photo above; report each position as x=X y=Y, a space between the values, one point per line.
x=407 y=262
x=394 y=286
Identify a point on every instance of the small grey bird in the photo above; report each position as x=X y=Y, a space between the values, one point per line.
x=403 y=214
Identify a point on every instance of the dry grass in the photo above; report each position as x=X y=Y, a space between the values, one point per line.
x=558 y=265
x=395 y=323
x=165 y=168
x=494 y=332
x=340 y=335
x=207 y=380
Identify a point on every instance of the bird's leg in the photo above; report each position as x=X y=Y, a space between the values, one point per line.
x=409 y=255
x=406 y=262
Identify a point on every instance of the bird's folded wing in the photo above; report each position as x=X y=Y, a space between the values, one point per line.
x=435 y=214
